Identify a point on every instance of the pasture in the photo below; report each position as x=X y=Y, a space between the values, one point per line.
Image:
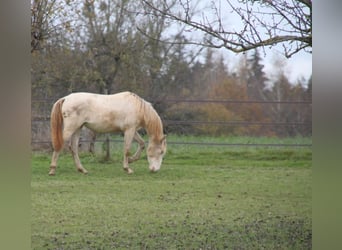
x=202 y=198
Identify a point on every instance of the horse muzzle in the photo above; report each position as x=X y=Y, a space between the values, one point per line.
x=153 y=169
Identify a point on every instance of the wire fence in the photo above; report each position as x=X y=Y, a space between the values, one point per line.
x=267 y=145
x=41 y=110
x=236 y=101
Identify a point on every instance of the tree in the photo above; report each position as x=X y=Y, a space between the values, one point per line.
x=107 y=37
x=166 y=63
x=178 y=77
x=256 y=77
x=263 y=23
x=296 y=114
x=308 y=110
x=49 y=19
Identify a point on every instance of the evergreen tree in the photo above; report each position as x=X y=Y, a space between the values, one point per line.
x=256 y=77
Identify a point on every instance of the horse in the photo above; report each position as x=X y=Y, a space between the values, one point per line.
x=122 y=112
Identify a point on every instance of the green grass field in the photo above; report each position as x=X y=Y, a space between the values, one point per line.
x=202 y=198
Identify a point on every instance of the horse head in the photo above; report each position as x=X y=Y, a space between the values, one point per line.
x=155 y=153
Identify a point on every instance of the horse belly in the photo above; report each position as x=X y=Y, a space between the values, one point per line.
x=103 y=127
x=108 y=122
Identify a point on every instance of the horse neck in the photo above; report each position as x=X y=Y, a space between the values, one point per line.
x=153 y=124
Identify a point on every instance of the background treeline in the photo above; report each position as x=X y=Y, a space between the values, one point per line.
x=111 y=48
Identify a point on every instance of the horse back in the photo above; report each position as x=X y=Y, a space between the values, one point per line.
x=103 y=113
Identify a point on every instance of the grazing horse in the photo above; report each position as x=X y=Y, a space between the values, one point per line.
x=125 y=112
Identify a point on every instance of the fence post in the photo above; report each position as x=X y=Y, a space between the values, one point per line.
x=107 y=148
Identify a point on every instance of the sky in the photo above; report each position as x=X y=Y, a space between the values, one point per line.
x=297 y=67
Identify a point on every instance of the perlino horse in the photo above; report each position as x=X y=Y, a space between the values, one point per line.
x=125 y=112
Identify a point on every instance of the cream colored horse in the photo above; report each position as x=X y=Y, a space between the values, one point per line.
x=124 y=112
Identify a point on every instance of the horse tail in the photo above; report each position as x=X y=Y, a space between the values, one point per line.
x=56 y=124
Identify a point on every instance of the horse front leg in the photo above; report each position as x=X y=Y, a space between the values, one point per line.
x=141 y=146
x=128 y=137
x=74 y=150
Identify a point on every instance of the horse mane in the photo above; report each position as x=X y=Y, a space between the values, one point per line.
x=151 y=120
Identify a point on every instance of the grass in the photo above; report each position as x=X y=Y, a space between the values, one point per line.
x=202 y=198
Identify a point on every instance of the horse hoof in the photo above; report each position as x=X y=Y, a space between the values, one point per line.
x=83 y=171
x=128 y=170
x=52 y=170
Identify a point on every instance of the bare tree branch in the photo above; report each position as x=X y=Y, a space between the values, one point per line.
x=265 y=23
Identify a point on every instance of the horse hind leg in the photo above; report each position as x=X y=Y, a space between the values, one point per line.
x=74 y=151
x=55 y=155
x=53 y=164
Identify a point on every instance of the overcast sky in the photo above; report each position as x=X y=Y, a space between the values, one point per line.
x=297 y=67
